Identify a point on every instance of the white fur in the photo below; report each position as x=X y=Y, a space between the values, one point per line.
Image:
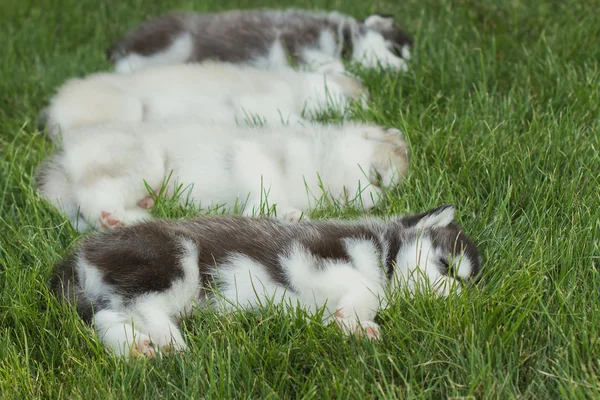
x=276 y=58
x=322 y=57
x=346 y=289
x=179 y=51
x=418 y=265
x=245 y=283
x=372 y=50
x=418 y=269
x=91 y=280
x=103 y=170
x=117 y=331
x=326 y=49
x=377 y=20
x=216 y=92
x=437 y=220
x=406 y=52
x=350 y=292
x=147 y=324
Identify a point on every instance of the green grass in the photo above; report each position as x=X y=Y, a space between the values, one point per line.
x=501 y=109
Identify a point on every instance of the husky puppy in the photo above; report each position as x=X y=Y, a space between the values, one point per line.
x=264 y=38
x=100 y=176
x=216 y=92
x=133 y=283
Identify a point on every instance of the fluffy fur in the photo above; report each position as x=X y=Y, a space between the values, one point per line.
x=263 y=38
x=133 y=283
x=99 y=176
x=217 y=92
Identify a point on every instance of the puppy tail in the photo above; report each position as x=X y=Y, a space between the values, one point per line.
x=66 y=285
x=94 y=100
x=53 y=183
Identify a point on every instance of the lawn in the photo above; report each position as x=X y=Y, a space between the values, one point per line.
x=501 y=110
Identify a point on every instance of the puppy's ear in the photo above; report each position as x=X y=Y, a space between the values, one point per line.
x=379 y=22
x=437 y=218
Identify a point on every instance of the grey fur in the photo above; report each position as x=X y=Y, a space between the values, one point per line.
x=245 y=35
x=145 y=258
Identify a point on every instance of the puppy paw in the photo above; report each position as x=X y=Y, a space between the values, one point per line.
x=347 y=323
x=111 y=220
x=172 y=347
x=108 y=221
x=351 y=326
x=293 y=215
x=143 y=348
x=349 y=86
x=369 y=330
x=146 y=203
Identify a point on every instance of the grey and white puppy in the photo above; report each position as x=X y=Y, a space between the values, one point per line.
x=133 y=282
x=264 y=38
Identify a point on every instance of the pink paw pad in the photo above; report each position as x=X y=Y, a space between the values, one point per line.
x=146 y=203
x=145 y=348
x=369 y=330
x=107 y=221
x=372 y=333
x=295 y=216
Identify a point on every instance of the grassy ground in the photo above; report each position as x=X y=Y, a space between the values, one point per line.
x=501 y=109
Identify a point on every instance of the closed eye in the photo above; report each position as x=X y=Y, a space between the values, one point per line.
x=396 y=49
x=377 y=179
x=449 y=270
x=445 y=265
